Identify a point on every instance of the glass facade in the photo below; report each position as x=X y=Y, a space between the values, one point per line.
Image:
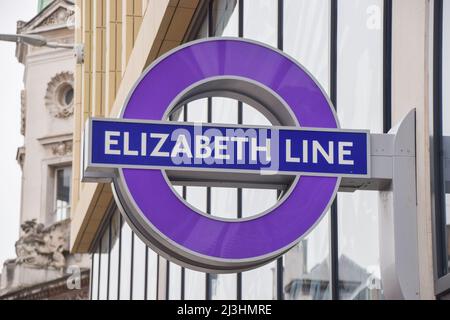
x=339 y=258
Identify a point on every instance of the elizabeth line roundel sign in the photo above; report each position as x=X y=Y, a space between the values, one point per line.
x=137 y=150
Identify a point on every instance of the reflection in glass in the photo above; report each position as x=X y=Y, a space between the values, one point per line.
x=152 y=274
x=125 y=262
x=195 y=285
x=446 y=115
x=224 y=110
x=307 y=39
x=114 y=256
x=225 y=18
x=307 y=266
x=360 y=105
x=62 y=190
x=174 y=281
x=223 y=286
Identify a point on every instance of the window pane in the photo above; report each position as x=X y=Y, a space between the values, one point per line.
x=307 y=266
x=95 y=273
x=307 y=36
x=114 y=256
x=104 y=265
x=174 y=281
x=138 y=269
x=225 y=18
x=307 y=39
x=224 y=110
x=125 y=262
x=195 y=285
x=152 y=274
x=360 y=105
x=223 y=286
x=259 y=283
x=62 y=205
x=446 y=116
x=224 y=202
x=260 y=21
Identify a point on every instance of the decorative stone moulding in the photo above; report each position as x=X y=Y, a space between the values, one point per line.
x=59 y=96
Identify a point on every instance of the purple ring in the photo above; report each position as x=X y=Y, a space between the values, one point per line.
x=190 y=231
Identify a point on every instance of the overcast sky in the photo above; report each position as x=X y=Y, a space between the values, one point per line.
x=11 y=75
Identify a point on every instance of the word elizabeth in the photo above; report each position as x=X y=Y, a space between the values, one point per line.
x=276 y=150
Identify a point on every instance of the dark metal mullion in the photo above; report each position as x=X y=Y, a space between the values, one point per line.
x=439 y=190
x=334 y=246
x=280 y=44
x=387 y=66
x=240 y=121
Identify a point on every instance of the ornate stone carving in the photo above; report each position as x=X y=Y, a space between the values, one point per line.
x=62 y=148
x=60 y=16
x=59 y=96
x=23 y=111
x=43 y=247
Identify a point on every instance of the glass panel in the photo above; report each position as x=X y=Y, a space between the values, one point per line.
x=125 y=262
x=197 y=111
x=196 y=197
x=260 y=21
x=114 y=256
x=104 y=265
x=446 y=116
x=307 y=36
x=152 y=274
x=360 y=105
x=95 y=273
x=174 y=281
x=62 y=198
x=259 y=283
x=195 y=285
x=223 y=286
x=138 y=269
x=225 y=16
x=224 y=110
x=224 y=202
x=251 y=116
